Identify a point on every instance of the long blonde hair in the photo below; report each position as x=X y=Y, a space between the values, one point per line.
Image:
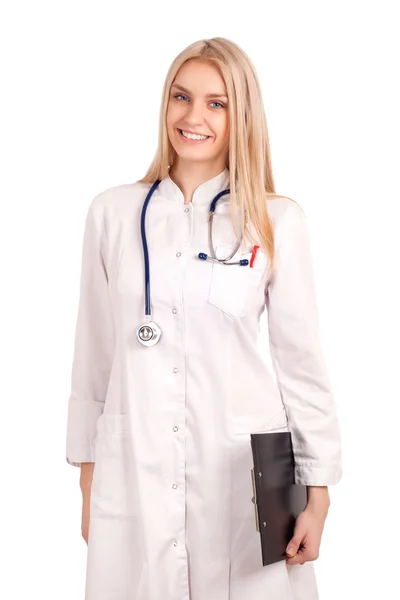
x=249 y=157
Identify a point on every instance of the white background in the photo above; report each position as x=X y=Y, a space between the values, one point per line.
x=81 y=85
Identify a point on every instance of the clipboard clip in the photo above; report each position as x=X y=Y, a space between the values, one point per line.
x=254 y=500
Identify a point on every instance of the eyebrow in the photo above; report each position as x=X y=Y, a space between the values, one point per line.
x=180 y=87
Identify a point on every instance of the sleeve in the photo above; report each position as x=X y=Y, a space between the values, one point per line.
x=94 y=345
x=297 y=357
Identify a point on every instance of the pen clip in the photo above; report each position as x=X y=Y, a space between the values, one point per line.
x=253 y=255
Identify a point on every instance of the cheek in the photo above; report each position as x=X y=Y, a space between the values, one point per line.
x=174 y=114
x=222 y=129
x=171 y=118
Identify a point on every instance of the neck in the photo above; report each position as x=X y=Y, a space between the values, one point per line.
x=188 y=175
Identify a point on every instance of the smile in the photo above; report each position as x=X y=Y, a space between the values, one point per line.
x=193 y=137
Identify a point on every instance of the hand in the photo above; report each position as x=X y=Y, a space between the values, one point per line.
x=306 y=540
x=86 y=487
x=85 y=515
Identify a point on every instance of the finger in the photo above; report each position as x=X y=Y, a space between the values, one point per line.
x=294 y=544
x=298 y=559
x=303 y=555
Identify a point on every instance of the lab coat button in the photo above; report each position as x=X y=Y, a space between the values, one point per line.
x=175 y=428
x=186 y=210
x=175 y=543
x=178 y=253
x=174 y=486
x=175 y=370
x=174 y=311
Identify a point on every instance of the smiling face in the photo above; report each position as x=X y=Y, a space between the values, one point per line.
x=198 y=104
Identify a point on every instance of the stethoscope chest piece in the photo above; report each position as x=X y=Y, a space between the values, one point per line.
x=149 y=334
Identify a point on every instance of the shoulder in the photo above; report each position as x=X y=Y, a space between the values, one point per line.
x=289 y=223
x=119 y=196
x=278 y=206
x=117 y=202
x=284 y=210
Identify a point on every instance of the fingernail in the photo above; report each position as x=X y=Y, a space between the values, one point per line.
x=290 y=550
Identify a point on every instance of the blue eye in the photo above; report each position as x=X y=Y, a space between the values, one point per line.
x=182 y=96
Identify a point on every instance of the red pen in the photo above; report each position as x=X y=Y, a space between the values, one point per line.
x=253 y=255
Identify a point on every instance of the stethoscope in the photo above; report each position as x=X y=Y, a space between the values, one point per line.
x=150 y=333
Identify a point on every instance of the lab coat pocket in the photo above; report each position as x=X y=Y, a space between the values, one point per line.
x=233 y=288
x=114 y=490
x=277 y=422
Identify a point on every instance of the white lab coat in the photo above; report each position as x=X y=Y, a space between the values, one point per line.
x=168 y=426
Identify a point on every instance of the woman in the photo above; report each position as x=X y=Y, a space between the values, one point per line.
x=164 y=415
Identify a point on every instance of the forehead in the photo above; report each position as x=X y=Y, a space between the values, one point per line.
x=200 y=77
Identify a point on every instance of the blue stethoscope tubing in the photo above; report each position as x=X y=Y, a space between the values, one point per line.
x=145 y=248
x=150 y=333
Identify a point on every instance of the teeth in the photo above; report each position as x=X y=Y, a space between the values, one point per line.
x=193 y=136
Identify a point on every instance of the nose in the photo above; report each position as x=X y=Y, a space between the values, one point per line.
x=194 y=114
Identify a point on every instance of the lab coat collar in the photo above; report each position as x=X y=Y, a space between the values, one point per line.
x=203 y=194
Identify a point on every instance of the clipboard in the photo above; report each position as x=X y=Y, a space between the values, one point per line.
x=277 y=499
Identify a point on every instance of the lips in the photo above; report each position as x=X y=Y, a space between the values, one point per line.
x=193 y=132
x=191 y=140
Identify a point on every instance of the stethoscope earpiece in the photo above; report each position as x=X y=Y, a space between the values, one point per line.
x=243 y=262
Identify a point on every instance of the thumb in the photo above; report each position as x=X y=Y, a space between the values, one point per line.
x=293 y=545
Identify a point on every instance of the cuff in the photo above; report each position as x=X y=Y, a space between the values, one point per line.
x=315 y=475
x=81 y=430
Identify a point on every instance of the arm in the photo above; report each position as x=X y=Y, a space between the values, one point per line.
x=298 y=358
x=94 y=346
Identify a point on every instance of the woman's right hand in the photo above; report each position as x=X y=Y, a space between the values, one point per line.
x=86 y=486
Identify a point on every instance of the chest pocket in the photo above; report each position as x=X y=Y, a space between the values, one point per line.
x=235 y=289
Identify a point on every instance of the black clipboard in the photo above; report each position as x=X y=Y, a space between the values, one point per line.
x=278 y=500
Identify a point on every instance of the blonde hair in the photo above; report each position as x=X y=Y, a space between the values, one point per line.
x=249 y=156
